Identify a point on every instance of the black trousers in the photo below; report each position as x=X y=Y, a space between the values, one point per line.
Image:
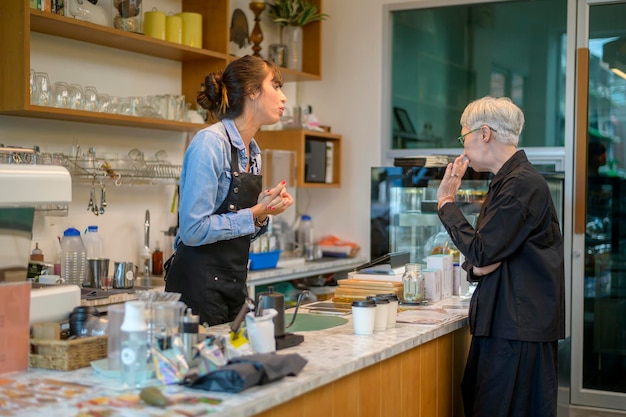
x=510 y=378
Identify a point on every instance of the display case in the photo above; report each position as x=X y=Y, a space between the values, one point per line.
x=403 y=205
x=403 y=208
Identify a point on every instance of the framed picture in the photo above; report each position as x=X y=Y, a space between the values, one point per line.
x=403 y=120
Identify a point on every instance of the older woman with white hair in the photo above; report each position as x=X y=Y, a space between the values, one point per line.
x=515 y=254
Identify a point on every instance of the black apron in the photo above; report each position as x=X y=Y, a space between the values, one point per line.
x=212 y=277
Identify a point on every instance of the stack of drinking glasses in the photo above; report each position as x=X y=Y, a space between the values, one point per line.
x=66 y=95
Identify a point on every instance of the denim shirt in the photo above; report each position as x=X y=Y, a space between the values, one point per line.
x=204 y=184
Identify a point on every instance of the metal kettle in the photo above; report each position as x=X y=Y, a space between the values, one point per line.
x=276 y=300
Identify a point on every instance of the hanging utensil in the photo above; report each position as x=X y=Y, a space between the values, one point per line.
x=103 y=201
x=92 y=196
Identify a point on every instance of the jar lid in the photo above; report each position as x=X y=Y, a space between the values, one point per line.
x=363 y=303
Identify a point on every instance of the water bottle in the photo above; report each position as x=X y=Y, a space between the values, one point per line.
x=93 y=242
x=413 y=283
x=134 y=345
x=73 y=257
x=304 y=237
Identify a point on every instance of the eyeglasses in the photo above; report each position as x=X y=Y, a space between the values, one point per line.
x=461 y=138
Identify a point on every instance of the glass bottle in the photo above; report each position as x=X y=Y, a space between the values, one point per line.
x=157 y=260
x=413 y=283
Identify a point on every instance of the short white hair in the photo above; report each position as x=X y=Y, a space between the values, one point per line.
x=500 y=114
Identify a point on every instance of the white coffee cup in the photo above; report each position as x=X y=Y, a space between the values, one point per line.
x=363 y=316
x=260 y=331
x=51 y=279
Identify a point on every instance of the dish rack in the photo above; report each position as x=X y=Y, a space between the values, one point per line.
x=122 y=171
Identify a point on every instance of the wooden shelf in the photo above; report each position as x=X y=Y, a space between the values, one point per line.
x=18 y=21
x=70 y=28
x=295 y=140
x=81 y=116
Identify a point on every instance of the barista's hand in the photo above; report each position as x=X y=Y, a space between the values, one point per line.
x=479 y=271
x=273 y=201
x=451 y=180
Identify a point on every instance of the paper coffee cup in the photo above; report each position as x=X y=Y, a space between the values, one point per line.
x=363 y=316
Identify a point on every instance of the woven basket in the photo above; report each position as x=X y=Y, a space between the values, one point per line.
x=67 y=355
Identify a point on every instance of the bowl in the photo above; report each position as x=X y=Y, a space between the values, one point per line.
x=263 y=260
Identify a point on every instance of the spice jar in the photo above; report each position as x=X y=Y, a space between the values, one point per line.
x=413 y=283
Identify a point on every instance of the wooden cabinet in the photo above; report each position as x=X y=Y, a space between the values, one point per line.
x=296 y=140
x=18 y=21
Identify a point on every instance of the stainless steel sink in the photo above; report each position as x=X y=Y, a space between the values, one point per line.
x=149 y=282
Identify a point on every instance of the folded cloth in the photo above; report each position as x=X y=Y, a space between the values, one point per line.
x=247 y=371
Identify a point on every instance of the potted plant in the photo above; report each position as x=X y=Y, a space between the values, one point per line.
x=292 y=15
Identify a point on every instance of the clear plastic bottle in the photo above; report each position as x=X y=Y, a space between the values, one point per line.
x=73 y=257
x=93 y=243
x=304 y=237
x=134 y=344
x=413 y=283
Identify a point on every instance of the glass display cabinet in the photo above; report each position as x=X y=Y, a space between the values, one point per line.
x=403 y=207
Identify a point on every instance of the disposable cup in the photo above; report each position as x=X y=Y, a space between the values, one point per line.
x=382 y=312
x=392 y=312
x=363 y=316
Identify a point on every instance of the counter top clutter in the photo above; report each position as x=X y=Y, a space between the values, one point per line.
x=331 y=354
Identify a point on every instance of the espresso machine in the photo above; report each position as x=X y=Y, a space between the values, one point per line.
x=28 y=188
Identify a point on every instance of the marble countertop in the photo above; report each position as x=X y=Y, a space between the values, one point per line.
x=331 y=354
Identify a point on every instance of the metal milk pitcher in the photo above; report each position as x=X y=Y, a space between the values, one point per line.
x=124 y=275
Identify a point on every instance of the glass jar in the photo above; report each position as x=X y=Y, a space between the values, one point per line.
x=413 y=283
x=127 y=15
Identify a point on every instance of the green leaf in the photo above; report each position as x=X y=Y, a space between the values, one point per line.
x=294 y=12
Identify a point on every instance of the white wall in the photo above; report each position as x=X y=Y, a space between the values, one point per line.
x=348 y=99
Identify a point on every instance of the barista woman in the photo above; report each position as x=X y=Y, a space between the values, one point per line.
x=222 y=207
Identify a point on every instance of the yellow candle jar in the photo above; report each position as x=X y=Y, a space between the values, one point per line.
x=192 y=29
x=154 y=24
x=174 y=28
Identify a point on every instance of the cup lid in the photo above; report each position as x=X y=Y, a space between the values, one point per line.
x=363 y=303
x=379 y=299
x=390 y=297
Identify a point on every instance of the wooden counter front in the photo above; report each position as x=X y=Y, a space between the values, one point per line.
x=421 y=382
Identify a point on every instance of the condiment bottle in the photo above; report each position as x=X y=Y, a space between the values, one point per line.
x=134 y=353
x=37 y=254
x=413 y=283
x=157 y=260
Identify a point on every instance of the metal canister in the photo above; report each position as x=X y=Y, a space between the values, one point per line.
x=191 y=327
